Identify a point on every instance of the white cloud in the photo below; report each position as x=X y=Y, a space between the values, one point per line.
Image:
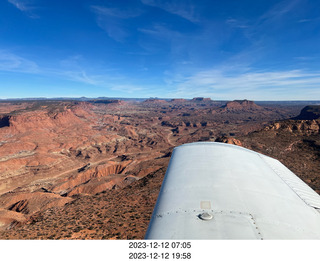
x=160 y=31
x=116 y=12
x=181 y=8
x=305 y=20
x=126 y=88
x=236 y=23
x=70 y=68
x=19 y=4
x=111 y=21
x=25 y=6
x=10 y=62
x=305 y=58
x=81 y=76
x=221 y=84
x=279 y=11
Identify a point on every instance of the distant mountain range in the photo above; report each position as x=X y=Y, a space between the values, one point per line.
x=196 y=99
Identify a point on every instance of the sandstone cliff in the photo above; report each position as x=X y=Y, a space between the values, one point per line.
x=241 y=105
x=311 y=112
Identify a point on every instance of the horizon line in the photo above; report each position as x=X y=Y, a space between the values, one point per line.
x=157 y=98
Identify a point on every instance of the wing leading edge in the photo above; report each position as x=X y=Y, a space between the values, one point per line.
x=221 y=191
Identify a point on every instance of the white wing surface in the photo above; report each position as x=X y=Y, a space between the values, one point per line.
x=221 y=191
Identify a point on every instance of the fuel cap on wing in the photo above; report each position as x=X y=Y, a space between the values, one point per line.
x=205 y=216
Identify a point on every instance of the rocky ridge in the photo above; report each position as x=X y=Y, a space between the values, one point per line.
x=296 y=143
x=309 y=113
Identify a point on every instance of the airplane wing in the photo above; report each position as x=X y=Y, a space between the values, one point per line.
x=221 y=191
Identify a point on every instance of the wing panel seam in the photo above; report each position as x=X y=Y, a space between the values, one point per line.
x=305 y=193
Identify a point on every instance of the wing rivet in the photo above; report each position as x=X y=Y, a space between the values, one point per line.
x=205 y=216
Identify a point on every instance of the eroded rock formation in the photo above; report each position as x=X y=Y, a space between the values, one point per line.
x=57 y=157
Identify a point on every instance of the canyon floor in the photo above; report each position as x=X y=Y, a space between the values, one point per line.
x=93 y=169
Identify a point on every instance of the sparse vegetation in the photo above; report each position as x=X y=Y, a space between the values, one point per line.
x=104 y=162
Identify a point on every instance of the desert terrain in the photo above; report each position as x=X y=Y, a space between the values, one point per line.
x=92 y=169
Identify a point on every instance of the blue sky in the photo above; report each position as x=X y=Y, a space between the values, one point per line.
x=231 y=49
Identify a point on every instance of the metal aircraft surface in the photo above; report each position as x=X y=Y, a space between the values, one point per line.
x=220 y=191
